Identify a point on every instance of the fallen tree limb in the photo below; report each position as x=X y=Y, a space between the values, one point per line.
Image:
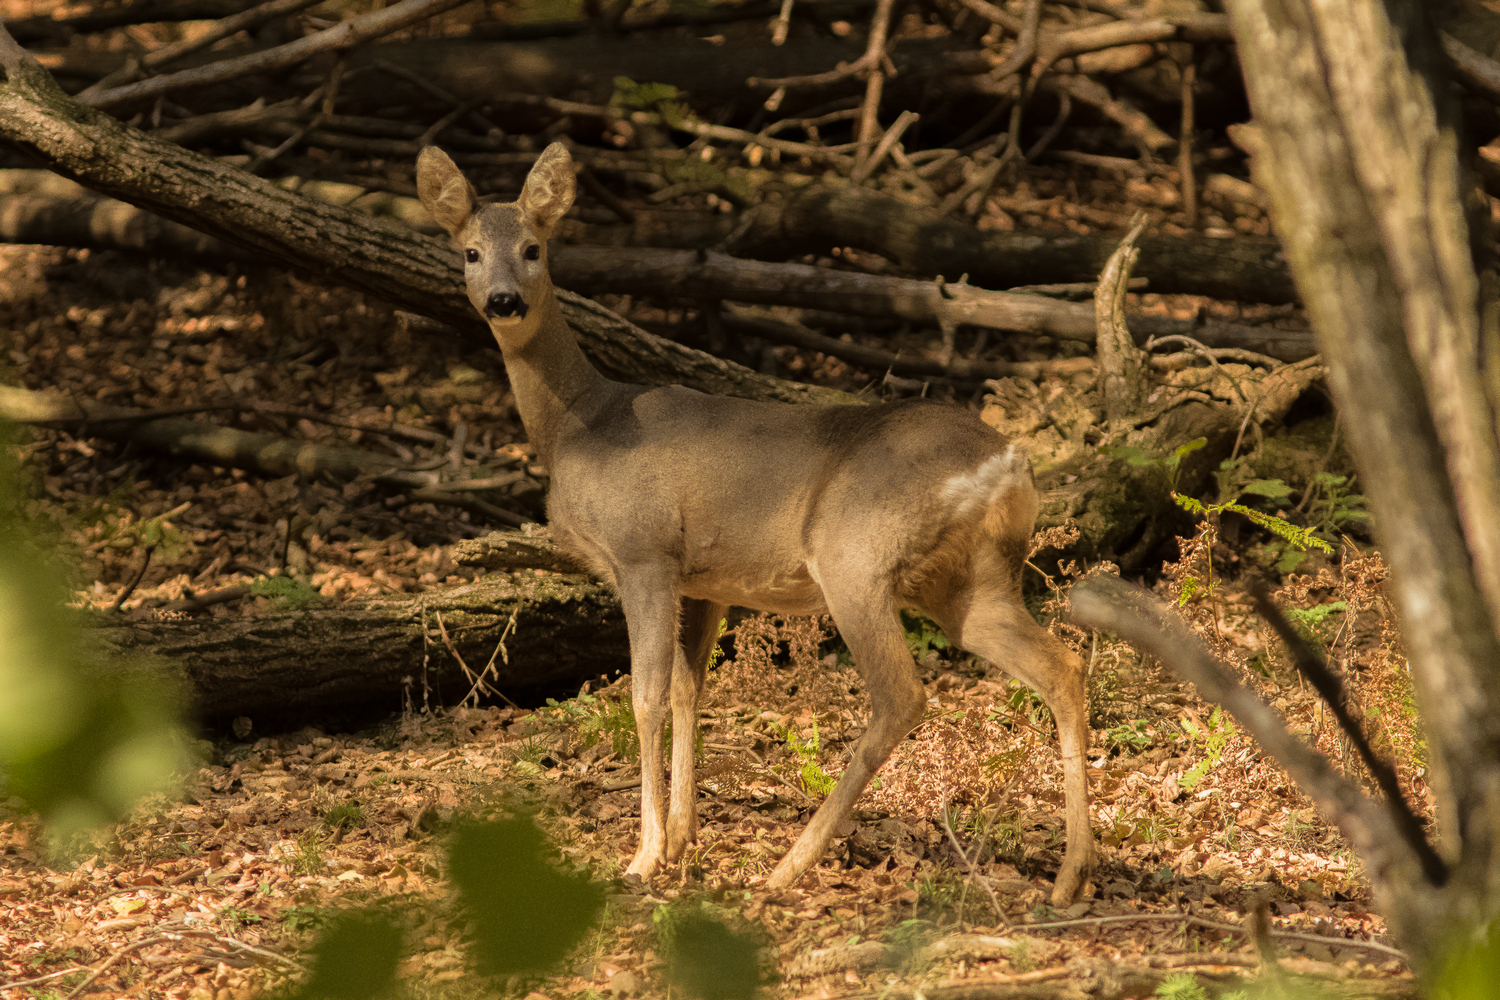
x=1111 y=605
x=376 y=654
x=267 y=455
x=342 y=36
x=40 y=207
x=29 y=29
x=176 y=50
x=379 y=257
x=822 y=216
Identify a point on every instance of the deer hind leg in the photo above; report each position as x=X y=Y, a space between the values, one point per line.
x=869 y=624
x=650 y=602
x=700 y=633
x=993 y=624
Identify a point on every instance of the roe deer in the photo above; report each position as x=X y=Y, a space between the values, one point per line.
x=688 y=503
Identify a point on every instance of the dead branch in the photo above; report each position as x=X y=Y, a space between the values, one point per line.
x=1311 y=665
x=782 y=332
x=821 y=216
x=1474 y=69
x=1122 y=364
x=530 y=548
x=1111 y=605
x=342 y=36
x=37 y=29
x=167 y=53
x=268 y=455
x=380 y=257
x=40 y=207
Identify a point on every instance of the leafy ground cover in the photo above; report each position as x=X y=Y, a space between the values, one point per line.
x=939 y=884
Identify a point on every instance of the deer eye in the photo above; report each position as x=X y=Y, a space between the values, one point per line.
x=532 y=252
x=471 y=255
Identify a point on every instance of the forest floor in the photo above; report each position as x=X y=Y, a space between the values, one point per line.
x=940 y=885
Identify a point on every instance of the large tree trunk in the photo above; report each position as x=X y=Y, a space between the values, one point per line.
x=1367 y=193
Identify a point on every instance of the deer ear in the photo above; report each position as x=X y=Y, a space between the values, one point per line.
x=448 y=198
x=549 y=189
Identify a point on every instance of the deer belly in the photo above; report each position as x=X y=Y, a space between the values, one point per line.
x=790 y=591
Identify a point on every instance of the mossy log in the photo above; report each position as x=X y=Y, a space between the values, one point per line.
x=380 y=655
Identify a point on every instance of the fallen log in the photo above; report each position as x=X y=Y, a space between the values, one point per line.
x=269 y=455
x=378 y=655
x=824 y=215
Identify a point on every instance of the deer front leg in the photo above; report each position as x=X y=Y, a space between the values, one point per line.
x=650 y=605
x=873 y=633
x=700 y=633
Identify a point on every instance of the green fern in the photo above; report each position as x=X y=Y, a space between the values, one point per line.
x=1300 y=538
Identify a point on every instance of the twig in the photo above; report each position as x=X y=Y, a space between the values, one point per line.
x=1025 y=42
x=996 y=15
x=499 y=651
x=484 y=125
x=1135 y=122
x=1055 y=46
x=135 y=580
x=608 y=198
x=1218 y=926
x=1476 y=70
x=1331 y=689
x=781 y=331
x=893 y=135
x=869 y=123
x=1189 y=70
x=197 y=602
x=103 y=967
x=783 y=24
x=1131 y=613
x=344 y=35
x=440 y=495
x=42 y=979
x=874 y=52
x=271 y=155
x=1214 y=353
x=973 y=872
x=722 y=132
x=1064 y=110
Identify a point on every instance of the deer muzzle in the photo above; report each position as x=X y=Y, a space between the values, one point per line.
x=501 y=305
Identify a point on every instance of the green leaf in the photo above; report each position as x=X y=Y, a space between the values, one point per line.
x=1189 y=504
x=1186 y=449
x=1274 y=489
x=525 y=914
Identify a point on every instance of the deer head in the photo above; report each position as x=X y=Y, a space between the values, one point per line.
x=504 y=246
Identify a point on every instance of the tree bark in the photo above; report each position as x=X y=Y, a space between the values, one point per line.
x=284 y=667
x=1364 y=184
x=824 y=215
x=376 y=256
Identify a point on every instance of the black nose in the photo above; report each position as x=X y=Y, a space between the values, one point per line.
x=503 y=304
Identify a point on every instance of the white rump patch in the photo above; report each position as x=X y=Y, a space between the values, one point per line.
x=1008 y=470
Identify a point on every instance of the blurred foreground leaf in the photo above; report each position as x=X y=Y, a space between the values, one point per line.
x=525 y=914
x=77 y=747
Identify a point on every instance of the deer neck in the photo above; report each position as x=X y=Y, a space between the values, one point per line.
x=554 y=384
